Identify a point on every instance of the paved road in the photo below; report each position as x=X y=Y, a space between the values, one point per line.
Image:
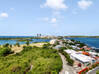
x=66 y=68
x=93 y=71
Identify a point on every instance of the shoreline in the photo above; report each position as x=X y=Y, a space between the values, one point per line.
x=31 y=42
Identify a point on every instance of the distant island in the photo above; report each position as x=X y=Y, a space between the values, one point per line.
x=81 y=36
x=25 y=38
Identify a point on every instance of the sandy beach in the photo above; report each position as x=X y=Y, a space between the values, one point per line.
x=17 y=49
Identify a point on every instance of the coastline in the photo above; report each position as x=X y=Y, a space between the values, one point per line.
x=23 y=40
x=81 y=36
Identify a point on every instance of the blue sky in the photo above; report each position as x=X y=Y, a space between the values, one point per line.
x=49 y=17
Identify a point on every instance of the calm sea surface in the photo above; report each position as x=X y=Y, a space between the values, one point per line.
x=15 y=41
x=93 y=42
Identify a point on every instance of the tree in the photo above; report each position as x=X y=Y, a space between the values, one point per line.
x=81 y=45
x=5 y=51
x=17 y=44
x=70 y=61
x=27 y=42
x=57 y=43
x=62 y=49
x=10 y=46
x=72 y=40
x=6 y=45
x=46 y=46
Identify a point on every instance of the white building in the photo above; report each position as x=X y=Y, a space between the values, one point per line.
x=53 y=41
x=70 y=51
x=75 y=47
x=80 y=57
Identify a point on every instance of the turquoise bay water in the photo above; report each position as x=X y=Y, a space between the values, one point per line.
x=93 y=42
x=15 y=41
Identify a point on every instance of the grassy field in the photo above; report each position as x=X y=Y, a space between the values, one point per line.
x=31 y=60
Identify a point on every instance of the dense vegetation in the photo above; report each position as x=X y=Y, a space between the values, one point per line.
x=4 y=51
x=97 y=72
x=68 y=59
x=32 y=60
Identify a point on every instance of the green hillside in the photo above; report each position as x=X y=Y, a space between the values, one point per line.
x=32 y=60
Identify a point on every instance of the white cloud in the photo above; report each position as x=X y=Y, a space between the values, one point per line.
x=45 y=19
x=11 y=8
x=54 y=4
x=53 y=20
x=84 y=4
x=4 y=15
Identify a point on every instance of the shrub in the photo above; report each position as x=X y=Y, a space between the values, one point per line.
x=35 y=47
x=82 y=49
x=93 y=66
x=44 y=61
x=97 y=72
x=62 y=49
x=5 y=51
x=72 y=40
x=26 y=48
x=27 y=42
x=65 y=42
x=6 y=45
x=69 y=47
x=57 y=43
x=71 y=43
x=10 y=46
x=53 y=45
x=81 y=45
x=17 y=44
x=16 y=69
x=70 y=61
x=45 y=46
